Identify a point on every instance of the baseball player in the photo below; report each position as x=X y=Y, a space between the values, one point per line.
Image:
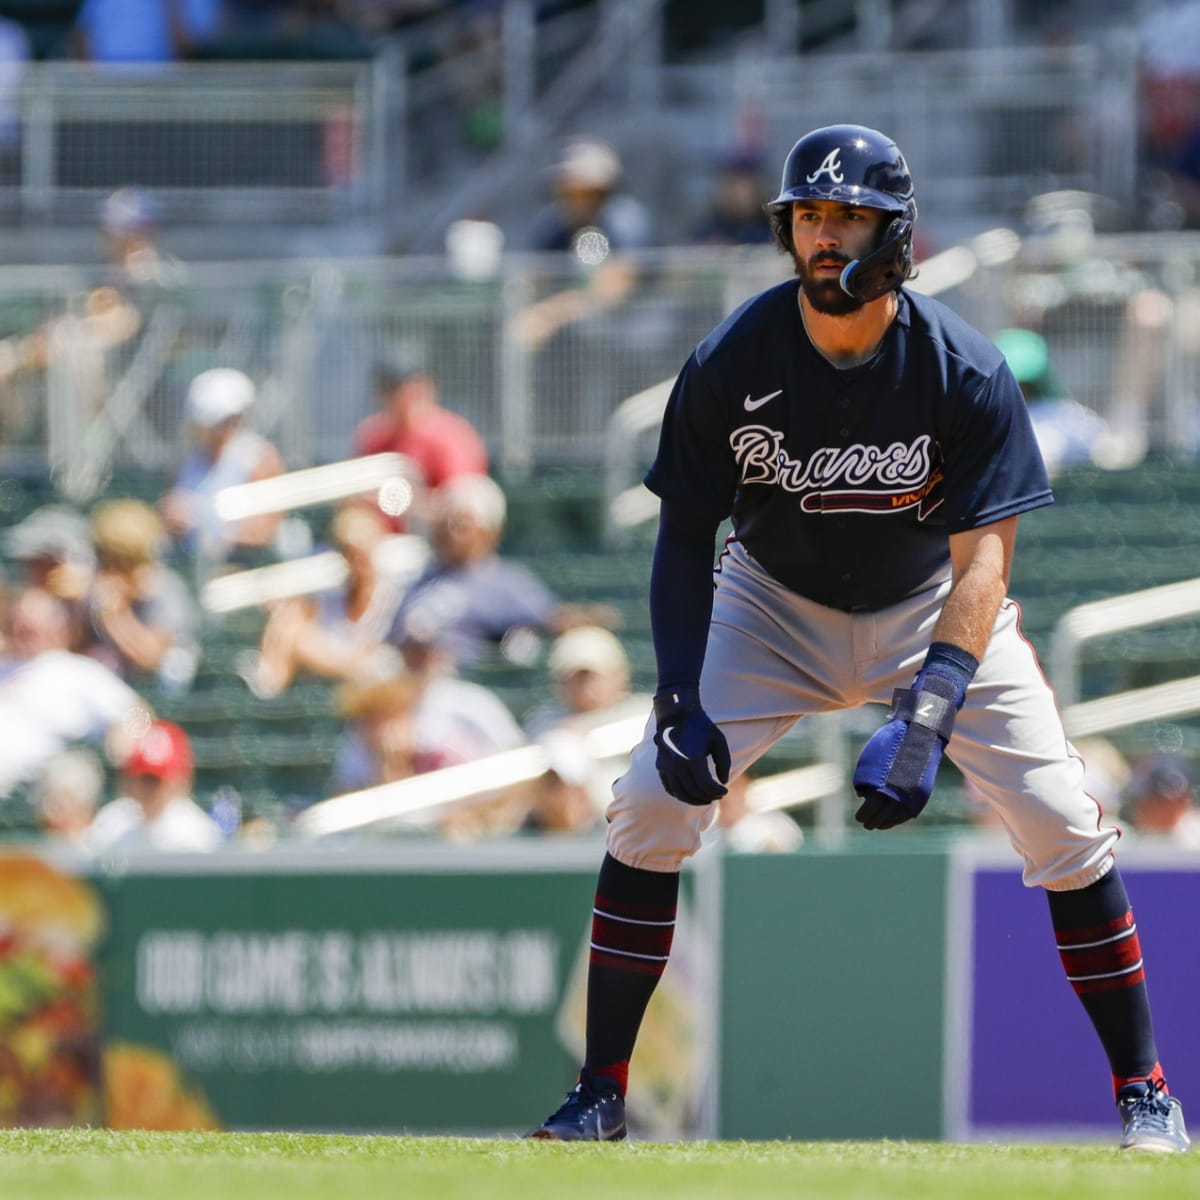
x=875 y=453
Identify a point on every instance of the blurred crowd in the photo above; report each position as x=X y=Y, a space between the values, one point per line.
x=101 y=620
x=407 y=595
x=398 y=611
x=102 y=616
x=161 y=31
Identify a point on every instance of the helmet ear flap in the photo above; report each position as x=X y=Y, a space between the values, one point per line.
x=885 y=268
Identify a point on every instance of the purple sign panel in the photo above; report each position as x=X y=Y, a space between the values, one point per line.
x=1036 y=1065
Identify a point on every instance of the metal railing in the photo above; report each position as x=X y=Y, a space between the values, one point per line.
x=83 y=394
x=427 y=131
x=981 y=129
x=215 y=141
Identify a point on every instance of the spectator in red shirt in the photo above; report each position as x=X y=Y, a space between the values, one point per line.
x=412 y=422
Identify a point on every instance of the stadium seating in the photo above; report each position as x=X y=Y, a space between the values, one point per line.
x=1108 y=533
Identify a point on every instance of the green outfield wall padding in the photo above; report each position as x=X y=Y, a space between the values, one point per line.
x=832 y=1001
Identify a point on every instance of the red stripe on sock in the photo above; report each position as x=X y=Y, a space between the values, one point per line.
x=1111 y=958
x=1100 y=960
x=1155 y=1079
x=639 y=939
x=1110 y=985
x=639 y=912
x=1066 y=938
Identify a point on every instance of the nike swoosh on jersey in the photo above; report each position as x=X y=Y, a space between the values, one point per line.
x=751 y=405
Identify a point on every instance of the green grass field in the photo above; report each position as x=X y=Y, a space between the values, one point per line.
x=82 y=1165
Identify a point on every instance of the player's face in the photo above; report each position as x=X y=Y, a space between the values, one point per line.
x=826 y=235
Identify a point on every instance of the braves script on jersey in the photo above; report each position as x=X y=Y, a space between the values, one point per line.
x=845 y=484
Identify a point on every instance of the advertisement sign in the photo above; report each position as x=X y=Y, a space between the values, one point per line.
x=1035 y=1067
x=50 y=1037
x=429 y=992
x=434 y=988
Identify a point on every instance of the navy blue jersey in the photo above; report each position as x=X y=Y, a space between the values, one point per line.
x=845 y=484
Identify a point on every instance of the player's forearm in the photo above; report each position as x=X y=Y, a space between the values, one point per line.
x=681 y=596
x=969 y=614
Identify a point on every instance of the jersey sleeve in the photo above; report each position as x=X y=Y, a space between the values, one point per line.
x=694 y=464
x=992 y=463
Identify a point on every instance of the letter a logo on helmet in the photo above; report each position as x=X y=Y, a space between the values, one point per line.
x=832 y=166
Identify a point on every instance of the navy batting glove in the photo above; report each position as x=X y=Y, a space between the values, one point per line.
x=686 y=739
x=897 y=768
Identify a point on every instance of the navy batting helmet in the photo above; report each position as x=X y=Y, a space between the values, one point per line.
x=851 y=164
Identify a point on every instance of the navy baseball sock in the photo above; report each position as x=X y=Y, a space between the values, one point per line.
x=1098 y=944
x=633 y=923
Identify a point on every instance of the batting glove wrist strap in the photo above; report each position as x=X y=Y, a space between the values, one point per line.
x=673 y=703
x=924 y=708
x=951 y=663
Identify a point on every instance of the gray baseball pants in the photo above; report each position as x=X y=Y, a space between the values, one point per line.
x=774 y=657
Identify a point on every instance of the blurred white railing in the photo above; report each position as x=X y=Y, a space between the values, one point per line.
x=436 y=792
x=1119 y=614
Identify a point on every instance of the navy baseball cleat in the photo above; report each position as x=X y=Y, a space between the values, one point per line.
x=1153 y=1119
x=593 y=1112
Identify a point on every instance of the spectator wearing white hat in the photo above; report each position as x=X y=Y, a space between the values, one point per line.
x=587 y=195
x=590 y=672
x=67 y=794
x=562 y=799
x=226 y=453
x=130 y=228
x=591 y=218
x=52 y=543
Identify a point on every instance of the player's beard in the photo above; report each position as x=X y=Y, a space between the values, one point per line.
x=823 y=294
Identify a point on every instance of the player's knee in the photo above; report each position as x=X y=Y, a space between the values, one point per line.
x=648 y=828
